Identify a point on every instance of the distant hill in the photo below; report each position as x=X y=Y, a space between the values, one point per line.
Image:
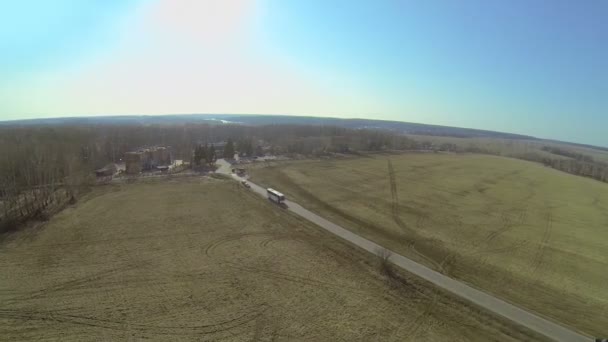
x=395 y=126
x=260 y=119
x=117 y=120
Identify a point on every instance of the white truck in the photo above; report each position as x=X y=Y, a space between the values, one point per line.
x=275 y=196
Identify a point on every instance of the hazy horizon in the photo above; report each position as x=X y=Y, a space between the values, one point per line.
x=538 y=69
x=265 y=114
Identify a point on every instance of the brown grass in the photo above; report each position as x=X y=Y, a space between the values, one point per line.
x=527 y=233
x=203 y=259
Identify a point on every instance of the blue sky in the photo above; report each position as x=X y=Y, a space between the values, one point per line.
x=531 y=67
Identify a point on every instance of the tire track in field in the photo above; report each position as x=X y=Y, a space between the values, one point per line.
x=271 y=240
x=394 y=194
x=293 y=278
x=94 y=322
x=597 y=205
x=69 y=285
x=210 y=247
x=482 y=247
x=507 y=224
x=418 y=321
x=514 y=246
x=507 y=221
x=400 y=223
x=270 y=273
x=438 y=265
x=420 y=294
x=537 y=260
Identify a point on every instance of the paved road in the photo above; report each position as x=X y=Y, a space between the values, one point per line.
x=224 y=167
x=488 y=302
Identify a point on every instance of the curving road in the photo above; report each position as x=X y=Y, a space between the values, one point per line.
x=518 y=315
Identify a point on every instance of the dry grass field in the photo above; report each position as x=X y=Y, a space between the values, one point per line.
x=529 y=234
x=204 y=259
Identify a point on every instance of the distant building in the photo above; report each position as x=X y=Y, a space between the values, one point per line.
x=160 y=156
x=133 y=162
x=147 y=159
x=106 y=171
x=176 y=163
x=120 y=167
x=218 y=146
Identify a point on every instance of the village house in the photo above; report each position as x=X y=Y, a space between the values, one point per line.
x=147 y=159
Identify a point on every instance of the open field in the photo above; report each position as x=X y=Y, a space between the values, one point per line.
x=529 y=234
x=205 y=259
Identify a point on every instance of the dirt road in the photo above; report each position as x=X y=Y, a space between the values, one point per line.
x=488 y=302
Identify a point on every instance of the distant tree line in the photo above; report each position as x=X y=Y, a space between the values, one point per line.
x=595 y=170
x=574 y=162
x=591 y=169
x=42 y=166
x=567 y=153
x=578 y=163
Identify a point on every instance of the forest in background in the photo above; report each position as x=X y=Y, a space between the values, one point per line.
x=579 y=160
x=47 y=165
x=44 y=166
